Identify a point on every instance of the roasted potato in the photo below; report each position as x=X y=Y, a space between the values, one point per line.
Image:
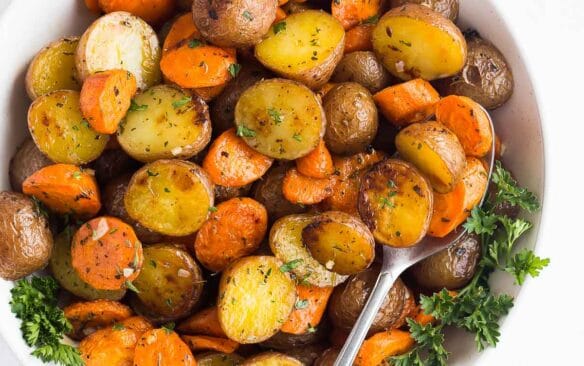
x=435 y=150
x=59 y=130
x=328 y=358
x=486 y=76
x=306 y=354
x=184 y=4
x=25 y=239
x=349 y=299
x=171 y=197
x=448 y=8
x=223 y=193
x=351 y=117
x=53 y=68
x=26 y=161
x=395 y=202
x=170 y=283
x=414 y=41
x=268 y=191
x=284 y=341
x=340 y=242
x=255 y=299
x=271 y=359
x=120 y=40
x=280 y=118
x=292 y=7
x=112 y=164
x=237 y=23
x=167 y=123
x=286 y=244
x=305 y=47
x=218 y=359
x=362 y=67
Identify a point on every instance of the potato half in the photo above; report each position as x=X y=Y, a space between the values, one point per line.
x=271 y=359
x=414 y=41
x=305 y=47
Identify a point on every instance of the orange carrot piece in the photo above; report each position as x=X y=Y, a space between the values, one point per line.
x=93 y=6
x=162 y=347
x=230 y=162
x=280 y=15
x=105 y=99
x=199 y=343
x=152 y=11
x=235 y=230
x=137 y=323
x=358 y=38
x=422 y=318
x=383 y=345
x=317 y=164
x=65 y=188
x=87 y=317
x=310 y=306
x=406 y=103
x=109 y=346
x=106 y=253
x=499 y=148
x=282 y=2
x=447 y=210
x=353 y=12
x=300 y=189
x=204 y=322
x=209 y=93
x=182 y=28
x=469 y=122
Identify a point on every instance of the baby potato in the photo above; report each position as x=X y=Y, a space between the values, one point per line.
x=435 y=150
x=26 y=161
x=364 y=68
x=166 y=123
x=414 y=41
x=218 y=359
x=53 y=68
x=305 y=47
x=448 y=8
x=340 y=242
x=255 y=298
x=268 y=191
x=59 y=130
x=171 y=197
x=395 y=202
x=271 y=359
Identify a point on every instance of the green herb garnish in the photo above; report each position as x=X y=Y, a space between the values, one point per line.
x=181 y=102
x=194 y=43
x=301 y=304
x=287 y=267
x=234 y=69
x=243 y=131
x=279 y=27
x=136 y=107
x=275 y=115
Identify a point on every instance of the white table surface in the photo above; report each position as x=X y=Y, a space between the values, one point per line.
x=551 y=32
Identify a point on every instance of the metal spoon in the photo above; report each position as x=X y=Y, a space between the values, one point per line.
x=395 y=261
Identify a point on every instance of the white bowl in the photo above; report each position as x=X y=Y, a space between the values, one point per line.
x=27 y=25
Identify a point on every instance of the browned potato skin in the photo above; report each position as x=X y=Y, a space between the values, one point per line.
x=27 y=160
x=328 y=358
x=26 y=241
x=352 y=119
x=451 y=268
x=224 y=24
x=292 y=7
x=306 y=354
x=112 y=164
x=184 y=4
x=223 y=193
x=362 y=67
x=271 y=358
x=268 y=192
x=348 y=300
x=284 y=341
x=448 y=8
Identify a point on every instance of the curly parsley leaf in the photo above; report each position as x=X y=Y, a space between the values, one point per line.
x=509 y=191
x=526 y=263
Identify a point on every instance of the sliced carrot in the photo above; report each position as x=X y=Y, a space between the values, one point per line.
x=422 y=318
x=300 y=189
x=406 y=103
x=310 y=306
x=383 y=345
x=230 y=162
x=152 y=11
x=93 y=6
x=110 y=346
x=280 y=15
x=209 y=93
x=447 y=210
x=235 y=230
x=282 y=2
x=204 y=322
x=106 y=253
x=199 y=343
x=137 y=323
x=182 y=28
x=353 y=12
x=162 y=347
x=317 y=164
x=65 y=188
x=358 y=38
x=105 y=99
x=469 y=122
x=87 y=317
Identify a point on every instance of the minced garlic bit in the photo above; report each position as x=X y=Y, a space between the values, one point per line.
x=128 y=272
x=183 y=273
x=329 y=265
x=102 y=229
x=400 y=66
x=176 y=151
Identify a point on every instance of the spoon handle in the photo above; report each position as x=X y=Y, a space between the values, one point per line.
x=363 y=323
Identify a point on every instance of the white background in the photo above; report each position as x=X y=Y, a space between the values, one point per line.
x=547 y=326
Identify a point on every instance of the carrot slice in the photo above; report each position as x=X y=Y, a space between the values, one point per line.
x=182 y=28
x=162 y=347
x=298 y=188
x=422 y=318
x=282 y=2
x=230 y=162
x=137 y=323
x=87 y=317
x=235 y=230
x=310 y=306
x=383 y=345
x=204 y=343
x=152 y=11
x=353 y=12
x=93 y=6
x=406 y=103
x=209 y=93
x=65 y=188
x=110 y=346
x=204 y=322
x=105 y=99
x=280 y=15
x=358 y=38
x=317 y=164
x=106 y=253
x=469 y=122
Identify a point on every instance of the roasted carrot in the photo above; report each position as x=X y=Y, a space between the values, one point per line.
x=358 y=38
x=406 y=103
x=199 y=343
x=469 y=122
x=353 y=12
x=110 y=346
x=209 y=93
x=422 y=318
x=87 y=317
x=231 y=162
x=106 y=253
x=93 y=6
x=105 y=99
x=204 y=322
x=383 y=345
x=447 y=211
x=137 y=323
x=499 y=148
x=310 y=306
x=65 y=188
x=282 y=2
x=152 y=11
x=317 y=164
x=234 y=230
x=162 y=347
x=300 y=189
x=183 y=28
x=280 y=15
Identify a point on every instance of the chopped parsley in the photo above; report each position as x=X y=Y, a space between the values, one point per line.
x=275 y=115
x=234 y=69
x=287 y=267
x=243 y=131
x=279 y=27
x=194 y=43
x=181 y=102
x=137 y=107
